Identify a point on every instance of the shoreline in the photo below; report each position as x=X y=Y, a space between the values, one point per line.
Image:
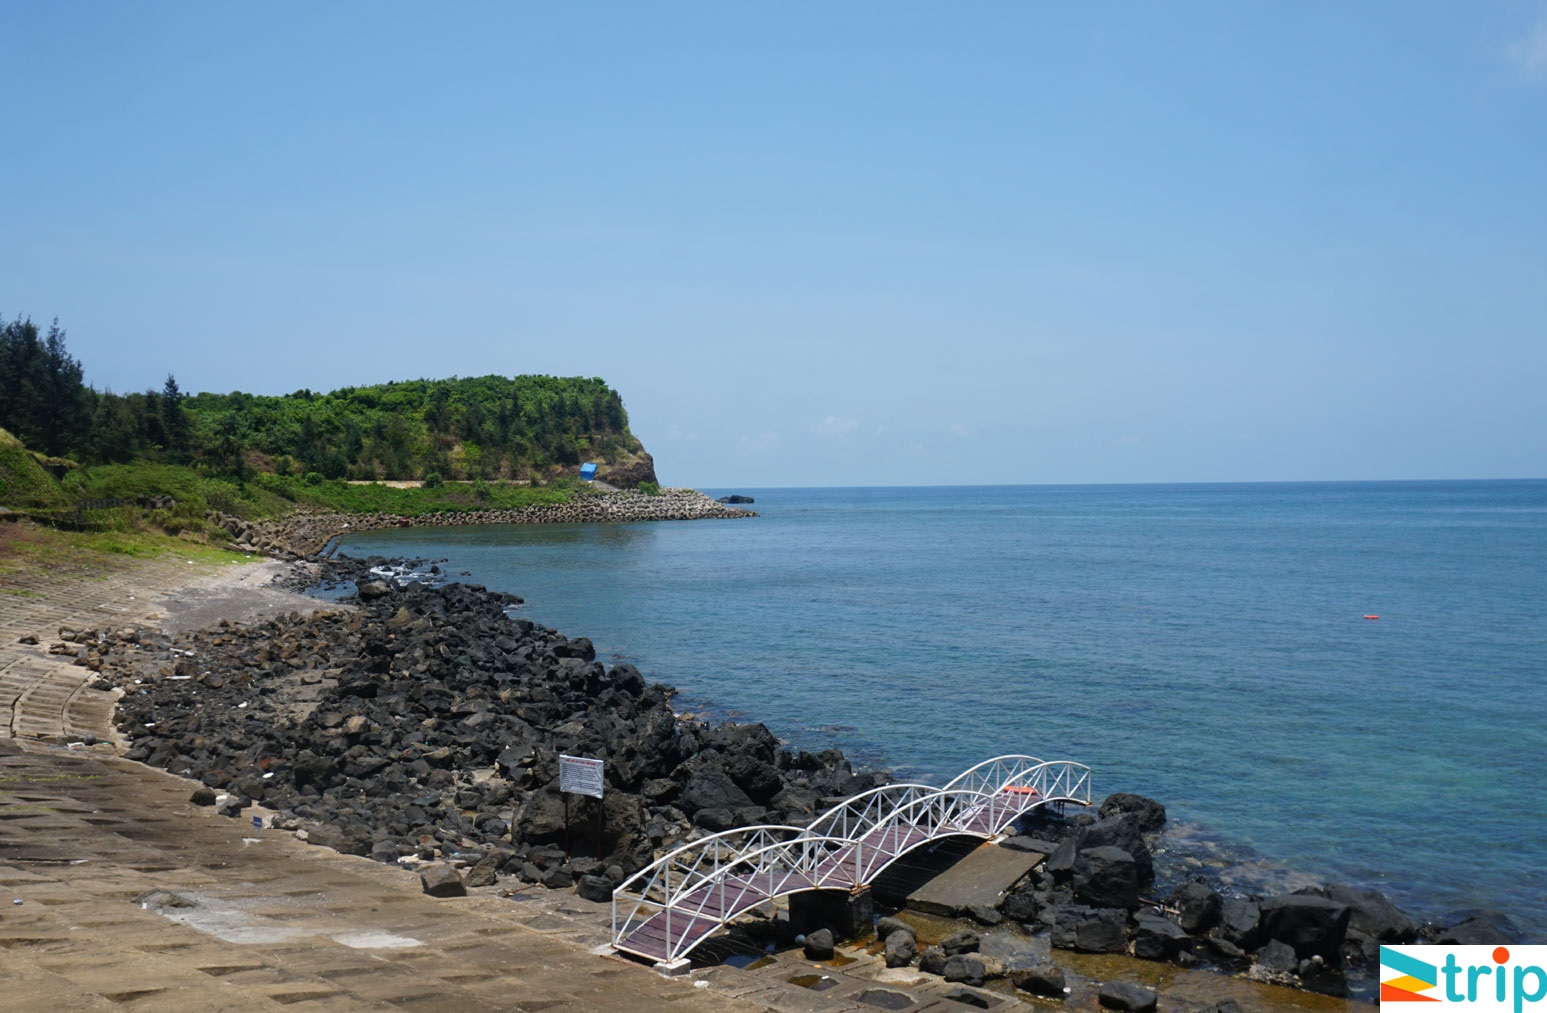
x=293 y=609
x=668 y=805
x=303 y=535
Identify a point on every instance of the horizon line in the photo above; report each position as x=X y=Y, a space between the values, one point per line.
x=1131 y=485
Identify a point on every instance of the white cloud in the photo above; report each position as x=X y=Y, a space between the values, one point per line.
x=675 y=432
x=834 y=426
x=1529 y=55
x=958 y=430
x=761 y=443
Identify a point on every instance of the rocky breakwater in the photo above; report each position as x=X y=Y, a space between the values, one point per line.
x=427 y=723
x=1095 y=892
x=303 y=534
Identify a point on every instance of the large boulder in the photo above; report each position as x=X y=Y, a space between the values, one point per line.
x=1240 y=923
x=442 y=881
x=712 y=788
x=541 y=819
x=597 y=889
x=1277 y=958
x=1106 y=877
x=965 y=969
x=1044 y=979
x=1371 y=913
x=1151 y=815
x=1314 y=926
x=1020 y=906
x=759 y=780
x=373 y=589
x=1126 y=995
x=819 y=945
x=1060 y=864
x=1157 y=937
x=1122 y=831
x=1086 y=929
x=1197 y=907
x=932 y=960
x=1487 y=928
x=901 y=948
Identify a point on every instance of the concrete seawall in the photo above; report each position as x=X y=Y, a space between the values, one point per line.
x=306 y=534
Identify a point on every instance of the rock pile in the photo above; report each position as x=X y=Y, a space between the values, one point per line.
x=1093 y=894
x=427 y=722
x=301 y=534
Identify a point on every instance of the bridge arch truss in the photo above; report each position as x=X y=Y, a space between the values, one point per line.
x=666 y=909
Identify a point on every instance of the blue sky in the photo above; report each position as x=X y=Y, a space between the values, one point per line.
x=821 y=244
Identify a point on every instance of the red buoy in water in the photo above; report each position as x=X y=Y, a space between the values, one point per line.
x=1372 y=617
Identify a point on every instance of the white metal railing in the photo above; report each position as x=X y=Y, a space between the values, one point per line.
x=715 y=878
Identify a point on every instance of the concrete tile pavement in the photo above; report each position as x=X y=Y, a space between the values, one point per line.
x=250 y=920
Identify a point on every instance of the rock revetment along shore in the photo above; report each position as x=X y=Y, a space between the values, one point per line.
x=303 y=534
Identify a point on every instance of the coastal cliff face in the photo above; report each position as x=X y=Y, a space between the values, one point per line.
x=299 y=535
x=630 y=470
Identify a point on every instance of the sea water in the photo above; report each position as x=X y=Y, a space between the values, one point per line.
x=1208 y=645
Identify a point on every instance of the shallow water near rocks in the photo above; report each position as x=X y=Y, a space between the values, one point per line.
x=1204 y=645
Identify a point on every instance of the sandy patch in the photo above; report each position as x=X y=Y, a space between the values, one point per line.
x=240 y=594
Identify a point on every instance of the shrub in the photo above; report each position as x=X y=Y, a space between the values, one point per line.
x=650 y=488
x=433 y=480
x=313 y=478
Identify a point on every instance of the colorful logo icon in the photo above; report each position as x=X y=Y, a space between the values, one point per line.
x=1413 y=977
x=1504 y=978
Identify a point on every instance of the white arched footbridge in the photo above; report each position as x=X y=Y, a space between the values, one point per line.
x=675 y=903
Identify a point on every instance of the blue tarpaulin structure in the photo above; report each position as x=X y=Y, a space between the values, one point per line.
x=588 y=471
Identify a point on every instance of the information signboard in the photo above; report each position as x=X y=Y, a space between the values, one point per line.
x=580 y=775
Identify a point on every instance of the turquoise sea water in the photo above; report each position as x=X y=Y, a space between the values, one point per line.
x=1203 y=644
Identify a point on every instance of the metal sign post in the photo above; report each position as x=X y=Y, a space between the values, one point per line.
x=581 y=775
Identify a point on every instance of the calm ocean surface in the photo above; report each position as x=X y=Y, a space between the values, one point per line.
x=1203 y=644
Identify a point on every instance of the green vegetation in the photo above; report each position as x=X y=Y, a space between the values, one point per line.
x=175 y=459
x=26 y=547
x=462 y=429
x=23 y=482
x=447 y=497
x=487 y=427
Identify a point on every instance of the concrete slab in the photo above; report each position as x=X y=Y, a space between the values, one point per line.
x=982 y=877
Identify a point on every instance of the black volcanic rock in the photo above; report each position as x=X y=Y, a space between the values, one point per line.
x=428 y=720
x=1314 y=926
x=1149 y=814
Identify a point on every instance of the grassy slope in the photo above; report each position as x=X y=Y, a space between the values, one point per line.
x=23 y=482
x=132 y=530
x=25 y=546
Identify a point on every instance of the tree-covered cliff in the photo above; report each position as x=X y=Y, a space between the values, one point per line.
x=480 y=428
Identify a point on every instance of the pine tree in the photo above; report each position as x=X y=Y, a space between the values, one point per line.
x=174 y=421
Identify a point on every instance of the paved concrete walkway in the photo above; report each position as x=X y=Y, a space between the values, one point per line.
x=116 y=892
